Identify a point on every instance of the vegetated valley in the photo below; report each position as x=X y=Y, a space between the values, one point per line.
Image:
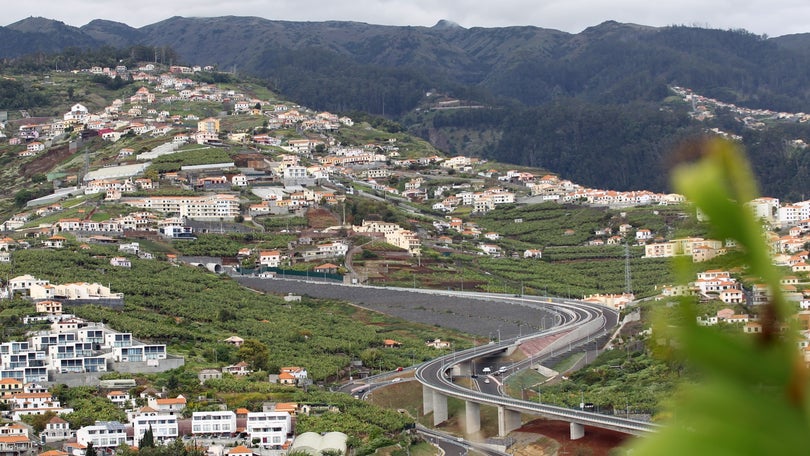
x=194 y=311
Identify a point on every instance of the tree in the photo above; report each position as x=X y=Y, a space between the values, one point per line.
x=90 y=451
x=148 y=440
x=255 y=353
x=38 y=422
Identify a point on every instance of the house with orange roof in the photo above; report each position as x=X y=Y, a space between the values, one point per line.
x=168 y=405
x=391 y=343
x=289 y=407
x=326 y=268
x=270 y=258
x=75 y=448
x=738 y=318
x=15 y=444
x=13 y=429
x=120 y=398
x=49 y=307
x=615 y=301
x=54 y=453
x=7 y=244
x=9 y=386
x=732 y=296
x=752 y=327
x=286 y=378
x=55 y=242
x=34 y=404
x=240 y=450
x=724 y=314
x=56 y=429
x=801 y=266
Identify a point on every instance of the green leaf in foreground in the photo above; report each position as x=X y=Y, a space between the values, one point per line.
x=752 y=395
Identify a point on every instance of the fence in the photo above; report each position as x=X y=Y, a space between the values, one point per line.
x=292 y=273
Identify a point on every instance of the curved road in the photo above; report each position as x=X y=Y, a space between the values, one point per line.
x=504 y=318
x=580 y=323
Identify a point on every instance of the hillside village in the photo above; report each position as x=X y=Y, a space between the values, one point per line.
x=287 y=175
x=275 y=173
x=289 y=163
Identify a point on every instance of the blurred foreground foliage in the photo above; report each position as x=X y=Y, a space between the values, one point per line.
x=752 y=394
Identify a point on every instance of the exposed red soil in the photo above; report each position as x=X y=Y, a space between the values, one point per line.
x=46 y=161
x=597 y=442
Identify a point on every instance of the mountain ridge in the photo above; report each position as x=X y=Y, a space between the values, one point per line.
x=544 y=86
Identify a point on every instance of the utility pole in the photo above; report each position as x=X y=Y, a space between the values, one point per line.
x=628 y=287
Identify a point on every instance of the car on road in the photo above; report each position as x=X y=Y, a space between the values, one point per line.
x=486 y=380
x=486 y=370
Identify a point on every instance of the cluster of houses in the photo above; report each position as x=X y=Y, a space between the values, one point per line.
x=703 y=108
x=82 y=348
x=145 y=112
x=166 y=417
x=300 y=164
x=722 y=286
x=72 y=345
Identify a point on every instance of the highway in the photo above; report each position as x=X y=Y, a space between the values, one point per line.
x=579 y=323
x=574 y=323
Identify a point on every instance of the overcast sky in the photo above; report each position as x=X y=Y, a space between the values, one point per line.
x=774 y=18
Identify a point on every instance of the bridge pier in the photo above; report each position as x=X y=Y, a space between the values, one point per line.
x=508 y=421
x=427 y=400
x=472 y=417
x=464 y=368
x=439 y=408
x=577 y=431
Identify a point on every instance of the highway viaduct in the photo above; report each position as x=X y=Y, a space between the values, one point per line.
x=577 y=325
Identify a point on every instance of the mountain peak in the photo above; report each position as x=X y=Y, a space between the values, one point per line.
x=35 y=24
x=447 y=25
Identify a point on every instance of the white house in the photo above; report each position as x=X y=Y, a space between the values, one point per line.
x=220 y=422
x=120 y=398
x=269 y=428
x=532 y=253
x=490 y=249
x=56 y=429
x=164 y=427
x=270 y=258
x=120 y=262
x=168 y=406
x=106 y=435
x=24 y=282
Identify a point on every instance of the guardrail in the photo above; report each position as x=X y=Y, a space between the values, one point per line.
x=588 y=324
